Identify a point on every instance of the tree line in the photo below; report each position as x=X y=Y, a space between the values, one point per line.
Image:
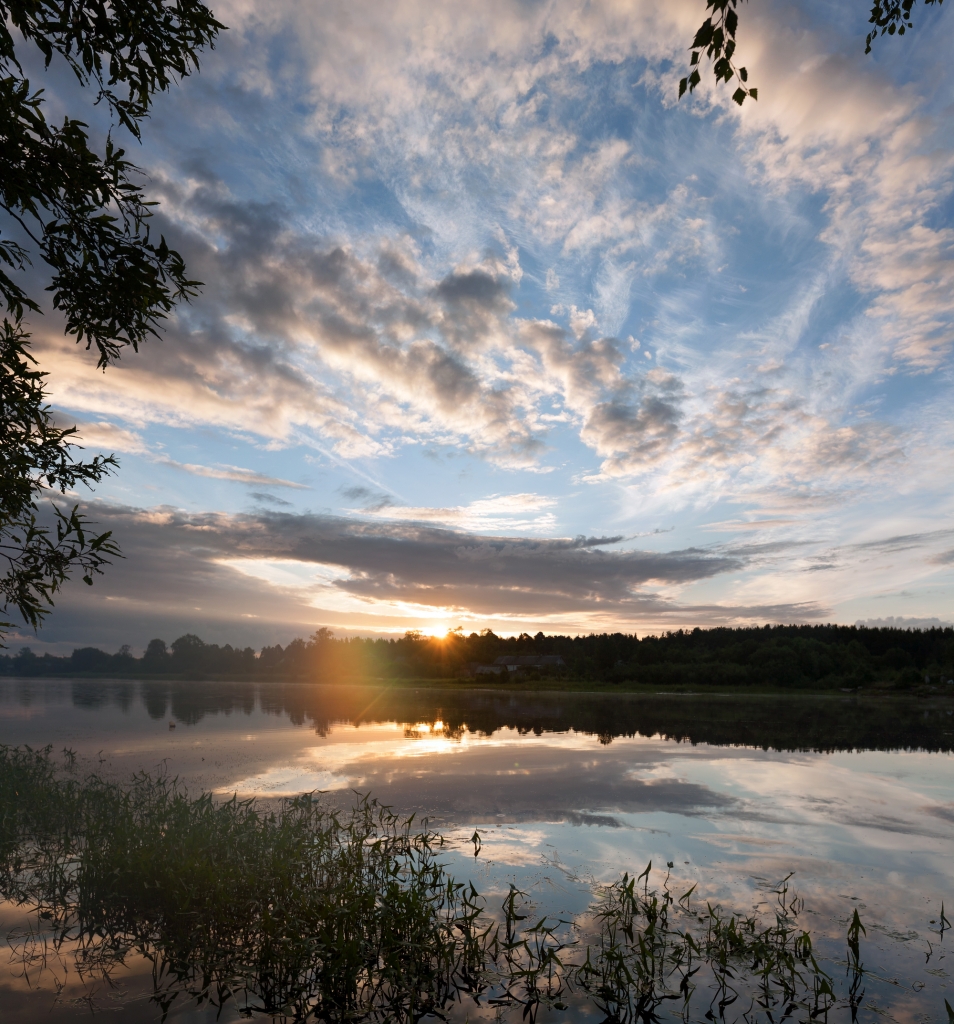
x=795 y=656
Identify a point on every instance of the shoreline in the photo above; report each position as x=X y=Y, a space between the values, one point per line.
x=540 y=686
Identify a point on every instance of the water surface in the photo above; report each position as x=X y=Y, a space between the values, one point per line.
x=855 y=796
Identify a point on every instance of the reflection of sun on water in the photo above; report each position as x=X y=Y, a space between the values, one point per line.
x=420 y=727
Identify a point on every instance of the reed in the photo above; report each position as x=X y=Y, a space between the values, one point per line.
x=308 y=913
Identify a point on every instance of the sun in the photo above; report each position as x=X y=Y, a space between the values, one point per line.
x=438 y=631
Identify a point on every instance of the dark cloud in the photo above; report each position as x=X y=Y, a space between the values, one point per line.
x=269 y=499
x=404 y=557
x=640 y=431
x=371 y=500
x=943 y=811
x=357 y=493
x=476 y=287
x=903 y=542
x=179 y=576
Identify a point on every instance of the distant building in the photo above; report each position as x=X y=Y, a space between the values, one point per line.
x=530 y=661
x=510 y=663
x=474 y=668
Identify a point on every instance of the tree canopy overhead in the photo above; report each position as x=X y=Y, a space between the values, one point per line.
x=82 y=212
x=85 y=215
x=715 y=37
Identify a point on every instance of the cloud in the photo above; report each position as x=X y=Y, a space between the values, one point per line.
x=236 y=473
x=431 y=228
x=360 y=338
x=903 y=542
x=269 y=572
x=498 y=512
x=303 y=339
x=269 y=499
x=905 y=622
x=840 y=126
x=505 y=86
x=733 y=526
x=429 y=565
x=105 y=436
x=372 y=501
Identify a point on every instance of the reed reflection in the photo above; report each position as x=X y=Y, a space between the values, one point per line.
x=302 y=913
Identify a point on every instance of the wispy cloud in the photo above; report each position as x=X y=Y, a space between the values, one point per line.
x=106 y=436
x=498 y=512
x=491 y=231
x=236 y=473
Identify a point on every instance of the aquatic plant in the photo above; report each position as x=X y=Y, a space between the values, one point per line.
x=640 y=953
x=309 y=913
x=297 y=909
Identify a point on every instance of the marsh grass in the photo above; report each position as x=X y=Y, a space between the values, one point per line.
x=642 y=955
x=309 y=913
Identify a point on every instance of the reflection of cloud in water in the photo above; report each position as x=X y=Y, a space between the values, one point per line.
x=728 y=840
x=877 y=811
x=507 y=777
x=288 y=781
x=944 y=811
x=512 y=847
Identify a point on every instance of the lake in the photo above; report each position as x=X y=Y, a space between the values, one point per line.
x=851 y=796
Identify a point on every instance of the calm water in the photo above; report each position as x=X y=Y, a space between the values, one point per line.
x=855 y=797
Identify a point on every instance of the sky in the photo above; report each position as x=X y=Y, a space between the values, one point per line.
x=496 y=333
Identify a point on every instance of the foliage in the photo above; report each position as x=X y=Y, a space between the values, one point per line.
x=306 y=913
x=716 y=38
x=827 y=657
x=87 y=218
x=298 y=910
x=892 y=16
x=36 y=455
x=85 y=215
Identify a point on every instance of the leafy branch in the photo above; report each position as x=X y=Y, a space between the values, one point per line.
x=36 y=456
x=85 y=214
x=716 y=37
x=891 y=16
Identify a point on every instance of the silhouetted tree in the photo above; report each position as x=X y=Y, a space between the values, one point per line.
x=83 y=214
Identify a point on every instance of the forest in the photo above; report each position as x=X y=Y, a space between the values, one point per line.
x=788 y=657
